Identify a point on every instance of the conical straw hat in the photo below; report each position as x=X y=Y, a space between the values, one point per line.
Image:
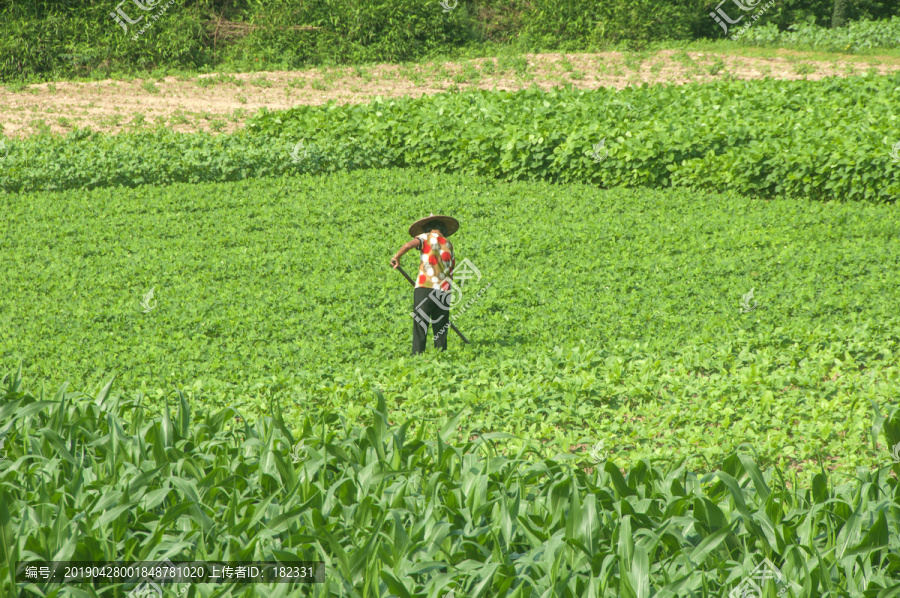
x=419 y=226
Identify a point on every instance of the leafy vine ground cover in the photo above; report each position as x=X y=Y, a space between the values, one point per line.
x=830 y=139
x=613 y=316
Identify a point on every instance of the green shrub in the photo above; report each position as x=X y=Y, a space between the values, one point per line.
x=856 y=36
x=64 y=38
x=82 y=39
x=555 y=24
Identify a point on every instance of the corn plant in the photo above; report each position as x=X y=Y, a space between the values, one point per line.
x=107 y=477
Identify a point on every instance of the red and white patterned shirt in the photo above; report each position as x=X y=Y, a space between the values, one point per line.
x=437 y=262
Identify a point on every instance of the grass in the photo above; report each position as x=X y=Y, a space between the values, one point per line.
x=716 y=67
x=516 y=64
x=219 y=79
x=179 y=118
x=113 y=120
x=39 y=126
x=512 y=52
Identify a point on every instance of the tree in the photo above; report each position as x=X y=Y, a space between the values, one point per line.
x=839 y=16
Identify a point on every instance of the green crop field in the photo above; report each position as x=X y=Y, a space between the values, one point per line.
x=811 y=140
x=611 y=315
x=677 y=266
x=626 y=416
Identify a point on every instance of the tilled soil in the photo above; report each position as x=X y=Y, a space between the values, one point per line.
x=223 y=102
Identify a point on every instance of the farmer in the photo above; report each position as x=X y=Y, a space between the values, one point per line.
x=431 y=297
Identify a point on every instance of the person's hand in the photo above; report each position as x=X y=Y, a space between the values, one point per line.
x=395 y=263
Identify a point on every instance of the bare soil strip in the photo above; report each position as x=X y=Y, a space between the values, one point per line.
x=223 y=102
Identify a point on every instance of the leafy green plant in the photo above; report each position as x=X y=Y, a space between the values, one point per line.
x=775 y=146
x=855 y=36
x=471 y=73
x=39 y=126
x=716 y=66
x=633 y=60
x=675 y=367
x=143 y=480
x=179 y=118
x=517 y=64
x=218 y=79
x=113 y=120
x=76 y=40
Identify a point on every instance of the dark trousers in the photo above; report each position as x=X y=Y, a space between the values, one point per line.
x=433 y=311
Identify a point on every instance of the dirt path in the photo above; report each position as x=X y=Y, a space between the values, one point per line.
x=223 y=102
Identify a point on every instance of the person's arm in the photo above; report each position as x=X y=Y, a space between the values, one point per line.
x=395 y=261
